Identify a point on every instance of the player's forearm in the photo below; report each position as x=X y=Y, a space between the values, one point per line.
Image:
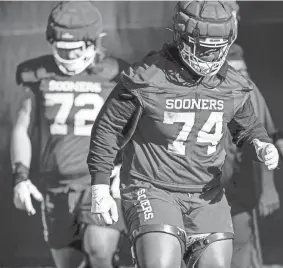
x=21 y=150
x=109 y=132
x=246 y=127
x=248 y=134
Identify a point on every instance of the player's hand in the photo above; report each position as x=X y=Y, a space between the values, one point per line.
x=268 y=202
x=22 y=196
x=115 y=186
x=103 y=206
x=267 y=153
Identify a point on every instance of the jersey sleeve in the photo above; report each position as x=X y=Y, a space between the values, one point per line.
x=112 y=129
x=245 y=125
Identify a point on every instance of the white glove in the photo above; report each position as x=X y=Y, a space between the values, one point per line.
x=22 y=196
x=267 y=153
x=103 y=205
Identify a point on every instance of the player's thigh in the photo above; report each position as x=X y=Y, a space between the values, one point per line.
x=209 y=213
x=60 y=230
x=59 y=224
x=157 y=250
x=217 y=255
x=155 y=225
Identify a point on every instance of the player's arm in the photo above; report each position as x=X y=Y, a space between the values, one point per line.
x=21 y=153
x=245 y=127
x=20 y=140
x=113 y=127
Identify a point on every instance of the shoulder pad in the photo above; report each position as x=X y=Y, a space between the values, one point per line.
x=34 y=70
x=148 y=72
x=235 y=77
x=109 y=68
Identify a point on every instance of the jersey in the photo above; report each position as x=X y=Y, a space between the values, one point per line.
x=178 y=143
x=64 y=110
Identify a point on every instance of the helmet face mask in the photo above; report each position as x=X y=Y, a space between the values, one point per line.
x=73 y=57
x=203 y=33
x=206 y=56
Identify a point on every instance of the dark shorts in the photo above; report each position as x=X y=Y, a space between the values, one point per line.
x=196 y=213
x=66 y=214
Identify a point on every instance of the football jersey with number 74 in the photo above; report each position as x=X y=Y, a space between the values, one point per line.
x=178 y=142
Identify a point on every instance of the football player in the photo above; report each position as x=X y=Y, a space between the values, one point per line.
x=63 y=95
x=249 y=185
x=170 y=113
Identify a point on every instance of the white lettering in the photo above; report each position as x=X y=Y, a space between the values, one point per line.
x=145 y=205
x=70 y=86
x=200 y=104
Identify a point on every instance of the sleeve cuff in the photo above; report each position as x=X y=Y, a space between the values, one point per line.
x=100 y=178
x=277 y=136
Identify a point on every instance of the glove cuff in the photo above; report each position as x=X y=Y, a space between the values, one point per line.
x=20 y=173
x=100 y=190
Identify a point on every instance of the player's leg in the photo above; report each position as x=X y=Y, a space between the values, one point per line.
x=67 y=257
x=245 y=253
x=209 y=226
x=156 y=249
x=242 y=241
x=59 y=231
x=155 y=226
x=99 y=242
x=100 y=245
x=256 y=259
x=217 y=254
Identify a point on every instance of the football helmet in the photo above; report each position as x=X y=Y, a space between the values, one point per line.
x=74 y=30
x=203 y=32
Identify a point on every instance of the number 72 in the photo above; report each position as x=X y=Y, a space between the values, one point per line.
x=67 y=101
x=203 y=136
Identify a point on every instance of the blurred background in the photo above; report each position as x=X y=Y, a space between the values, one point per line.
x=133 y=28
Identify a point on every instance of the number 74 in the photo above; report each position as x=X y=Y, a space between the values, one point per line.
x=203 y=136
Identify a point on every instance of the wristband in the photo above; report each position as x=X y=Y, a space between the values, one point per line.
x=20 y=173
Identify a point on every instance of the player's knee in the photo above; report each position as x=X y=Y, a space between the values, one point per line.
x=158 y=250
x=100 y=246
x=97 y=253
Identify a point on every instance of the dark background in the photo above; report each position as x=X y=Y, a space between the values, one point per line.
x=133 y=28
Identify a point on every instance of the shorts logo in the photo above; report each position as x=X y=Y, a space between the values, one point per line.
x=145 y=205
